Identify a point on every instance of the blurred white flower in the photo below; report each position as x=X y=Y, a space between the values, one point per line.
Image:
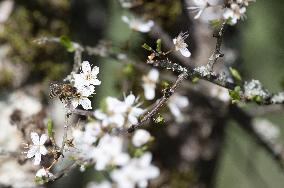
x=137 y=172
x=84 y=139
x=113 y=114
x=266 y=129
x=132 y=110
x=234 y=13
x=149 y=83
x=109 y=151
x=140 y=137
x=38 y=148
x=88 y=76
x=6 y=8
x=104 y=184
x=43 y=173
x=138 y=24
x=220 y=93
x=200 y=6
x=176 y=104
x=180 y=45
x=245 y=2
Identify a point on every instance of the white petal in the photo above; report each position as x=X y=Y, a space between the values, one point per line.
x=198 y=14
x=86 y=103
x=153 y=75
x=37 y=158
x=95 y=82
x=185 y=52
x=145 y=27
x=43 y=139
x=132 y=119
x=35 y=138
x=100 y=115
x=43 y=150
x=32 y=151
x=86 y=67
x=149 y=92
x=75 y=103
x=125 y=19
x=129 y=100
x=95 y=71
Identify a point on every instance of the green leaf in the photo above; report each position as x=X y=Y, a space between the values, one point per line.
x=147 y=47
x=50 y=128
x=235 y=74
x=235 y=94
x=215 y=23
x=258 y=99
x=159 y=45
x=195 y=80
x=164 y=84
x=159 y=118
x=66 y=42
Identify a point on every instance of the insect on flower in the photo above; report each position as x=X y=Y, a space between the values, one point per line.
x=64 y=91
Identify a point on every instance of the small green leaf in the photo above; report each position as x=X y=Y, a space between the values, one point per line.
x=195 y=80
x=215 y=23
x=164 y=84
x=50 y=128
x=147 y=47
x=235 y=94
x=159 y=118
x=235 y=74
x=159 y=45
x=258 y=99
x=66 y=42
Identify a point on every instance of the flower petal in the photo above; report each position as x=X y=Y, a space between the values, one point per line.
x=86 y=67
x=42 y=150
x=35 y=138
x=86 y=103
x=32 y=151
x=185 y=52
x=153 y=75
x=95 y=71
x=43 y=139
x=129 y=100
x=37 y=158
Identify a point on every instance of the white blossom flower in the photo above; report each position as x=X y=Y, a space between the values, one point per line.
x=220 y=93
x=200 y=6
x=138 y=24
x=104 y=184
x=132 y=110
x=140 y=137
x=176 y=104
x=245 y=2
x=114 y=113
x=6 y=8
x=88 y=76
x=266 y=129
x=109 y=151
x=149 y=83
x=84 y=139
x=38 y=148
x=234 y=13
x=82 y=98
x=180 y=45
x=137 y=172
x=43 y=173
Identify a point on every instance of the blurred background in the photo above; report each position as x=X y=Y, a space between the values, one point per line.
x=257 y=44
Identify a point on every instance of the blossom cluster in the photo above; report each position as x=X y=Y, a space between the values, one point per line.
x=85 y=83
x=234 y=11
x=105 y=150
